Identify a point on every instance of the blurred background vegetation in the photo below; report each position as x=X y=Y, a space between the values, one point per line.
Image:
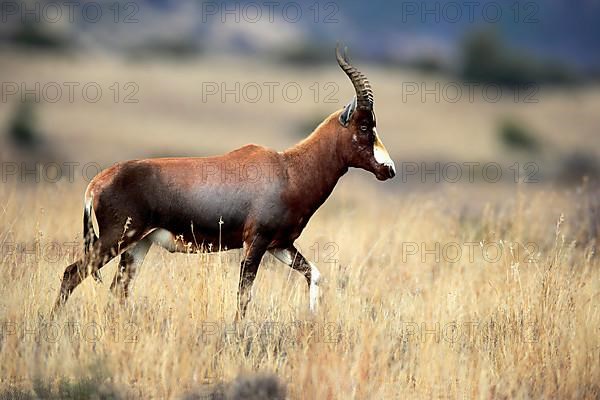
x=538 y=51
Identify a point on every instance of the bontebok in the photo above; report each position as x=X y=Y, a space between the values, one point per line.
x=253 y=198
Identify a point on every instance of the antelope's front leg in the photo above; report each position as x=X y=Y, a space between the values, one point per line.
x=293 y=259
x=253 y=253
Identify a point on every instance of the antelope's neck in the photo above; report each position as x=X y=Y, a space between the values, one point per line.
x=314 y=167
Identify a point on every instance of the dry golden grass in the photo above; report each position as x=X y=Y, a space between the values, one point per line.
x=390 y=325
x=401 y=316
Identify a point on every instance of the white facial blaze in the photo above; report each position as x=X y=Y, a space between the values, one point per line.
x=381 y=154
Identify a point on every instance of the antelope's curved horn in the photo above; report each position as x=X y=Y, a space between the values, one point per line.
x=364 y=93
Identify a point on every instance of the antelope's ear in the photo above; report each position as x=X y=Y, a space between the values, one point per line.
x=347 y=113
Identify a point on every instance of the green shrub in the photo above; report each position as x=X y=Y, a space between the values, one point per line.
x=251 y=387
x=576 y=165
x=305 y=54
x=92 y=384
x=516 y=136
x=32 y=35
x=487 y=59
x=22 y=131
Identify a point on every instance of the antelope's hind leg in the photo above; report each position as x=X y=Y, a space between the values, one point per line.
x=130 y=261
x=293 y=259
x=75 y=273
x=103 y=250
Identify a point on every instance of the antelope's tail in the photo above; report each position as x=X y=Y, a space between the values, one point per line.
x=89 y=236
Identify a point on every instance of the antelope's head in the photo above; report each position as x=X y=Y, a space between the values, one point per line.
x=362 y=146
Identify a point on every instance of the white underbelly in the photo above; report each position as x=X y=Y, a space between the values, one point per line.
x=163 y=238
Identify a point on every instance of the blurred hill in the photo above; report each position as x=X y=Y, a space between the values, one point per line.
x=402 y=32
x=163 y=54
x=173 y=113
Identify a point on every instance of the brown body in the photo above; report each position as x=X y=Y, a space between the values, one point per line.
x=252 y=189
x=253 y=197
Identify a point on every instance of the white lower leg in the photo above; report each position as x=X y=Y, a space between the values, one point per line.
x=315 y=277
